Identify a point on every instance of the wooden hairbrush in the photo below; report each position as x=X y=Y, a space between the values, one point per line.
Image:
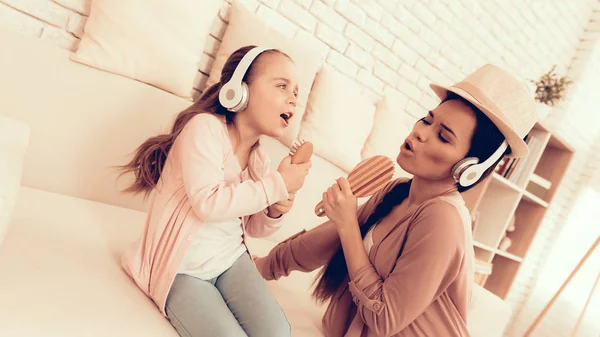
x=367 y=178
x=301 y=151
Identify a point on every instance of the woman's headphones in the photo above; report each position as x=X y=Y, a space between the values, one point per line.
x=468 y=171
x=233 y=95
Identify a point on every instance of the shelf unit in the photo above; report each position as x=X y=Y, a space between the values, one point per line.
x=526 y=196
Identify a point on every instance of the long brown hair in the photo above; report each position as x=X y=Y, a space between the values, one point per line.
x=150 y=157
x=486 y=139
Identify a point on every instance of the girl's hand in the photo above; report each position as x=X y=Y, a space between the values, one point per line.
x=293 y=174
x=340 y=205
x=282 y=207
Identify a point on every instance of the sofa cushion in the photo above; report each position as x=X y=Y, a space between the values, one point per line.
x=83 y=121
x=127 y=37
x=246 y=28
x=14 y=140
x=391 y=126
x=338 y=118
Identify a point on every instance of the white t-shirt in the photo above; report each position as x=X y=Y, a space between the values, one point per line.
x=368 y=240
x=215 y=247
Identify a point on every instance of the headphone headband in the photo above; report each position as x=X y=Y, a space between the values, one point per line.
x=468 y=171
x=242 y=67
x=234 y=94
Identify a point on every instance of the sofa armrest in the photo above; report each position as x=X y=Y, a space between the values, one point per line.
x=14 y=140
x=488 y=315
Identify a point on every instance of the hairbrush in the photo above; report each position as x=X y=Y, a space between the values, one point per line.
x=367 y=178
x=301 y=151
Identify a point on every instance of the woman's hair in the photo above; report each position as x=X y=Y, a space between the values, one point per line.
x=150 y=157
x=486 y=140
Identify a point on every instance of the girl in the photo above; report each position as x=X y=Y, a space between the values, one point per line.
x=402 y=263
x=211 y=185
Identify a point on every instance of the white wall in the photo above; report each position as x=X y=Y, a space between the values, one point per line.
x=399 y=47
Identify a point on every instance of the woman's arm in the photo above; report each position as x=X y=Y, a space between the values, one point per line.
x=430 y=262
x=309 y=250
x=201 y=153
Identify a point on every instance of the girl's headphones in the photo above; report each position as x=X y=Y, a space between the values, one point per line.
x=233 y=95
x=468 y=171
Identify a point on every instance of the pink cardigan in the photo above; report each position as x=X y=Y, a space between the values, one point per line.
x=201 y=182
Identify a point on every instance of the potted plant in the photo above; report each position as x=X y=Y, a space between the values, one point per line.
x=550 y=89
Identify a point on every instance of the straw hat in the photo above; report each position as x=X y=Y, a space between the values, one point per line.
x=505 y=100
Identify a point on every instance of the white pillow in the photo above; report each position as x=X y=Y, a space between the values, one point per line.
x=14 y=140
x=338 y=119
x=153 y=41
x=246 y=28
x=390 y=128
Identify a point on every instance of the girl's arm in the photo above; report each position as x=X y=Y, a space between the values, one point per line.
x=430 y=262
x=201 y=154
x=260 y=224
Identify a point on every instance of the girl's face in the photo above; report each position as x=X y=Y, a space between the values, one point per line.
x=438 y=141
x=273 y=91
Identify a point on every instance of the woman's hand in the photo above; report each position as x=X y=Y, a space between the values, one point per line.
x=340 y=205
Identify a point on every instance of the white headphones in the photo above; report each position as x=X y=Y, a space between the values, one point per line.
x=468 y=171
x=233 y=95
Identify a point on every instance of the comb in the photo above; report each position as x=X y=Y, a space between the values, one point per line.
x=301 y=151
x=367 y=178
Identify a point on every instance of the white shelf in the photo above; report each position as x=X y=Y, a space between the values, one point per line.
x=534 y=199
x=509 y=255
x=541 y=182
x=497 y=251
x=506 y=182
x=484 y=246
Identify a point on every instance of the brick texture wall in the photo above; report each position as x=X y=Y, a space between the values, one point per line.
x=399 y=47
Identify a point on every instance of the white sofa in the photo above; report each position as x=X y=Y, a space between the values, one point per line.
x=59 y=264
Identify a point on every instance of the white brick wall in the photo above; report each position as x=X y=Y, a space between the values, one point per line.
x=399 y=47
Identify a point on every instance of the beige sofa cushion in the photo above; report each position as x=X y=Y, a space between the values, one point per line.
x=83 y=121
x=246 y=28
x=390 y=127
x=154 y=41
x=14 y=140
x=338 y=119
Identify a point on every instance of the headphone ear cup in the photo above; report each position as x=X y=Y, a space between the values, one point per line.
x=463 y=171
x=243 y=99
x=230 y=95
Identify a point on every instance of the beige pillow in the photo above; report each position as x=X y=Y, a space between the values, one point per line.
x=153 y=41
x=338 y=118
x=246 y=28
x=14 y=141
x=391 y=126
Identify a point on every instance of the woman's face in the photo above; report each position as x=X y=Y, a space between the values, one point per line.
x=273 y=91
x=438 y=141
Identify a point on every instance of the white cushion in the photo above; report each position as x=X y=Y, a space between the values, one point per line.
x=246 y=28
x=338 y=119
x=14 y=140
x=83 y=121
x=154 y=41
x=391 y=126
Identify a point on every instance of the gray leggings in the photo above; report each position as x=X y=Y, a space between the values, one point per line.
x=236 y=303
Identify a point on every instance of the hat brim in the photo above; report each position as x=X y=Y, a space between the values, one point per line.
x=518 y=148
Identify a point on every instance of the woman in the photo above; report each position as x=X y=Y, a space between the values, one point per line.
x=211 y=186
x=402 y=263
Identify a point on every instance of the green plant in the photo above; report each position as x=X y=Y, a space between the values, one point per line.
x=550 y=88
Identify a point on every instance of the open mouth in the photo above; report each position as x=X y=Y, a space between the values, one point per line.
x=407 y=146
x=286 y=117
